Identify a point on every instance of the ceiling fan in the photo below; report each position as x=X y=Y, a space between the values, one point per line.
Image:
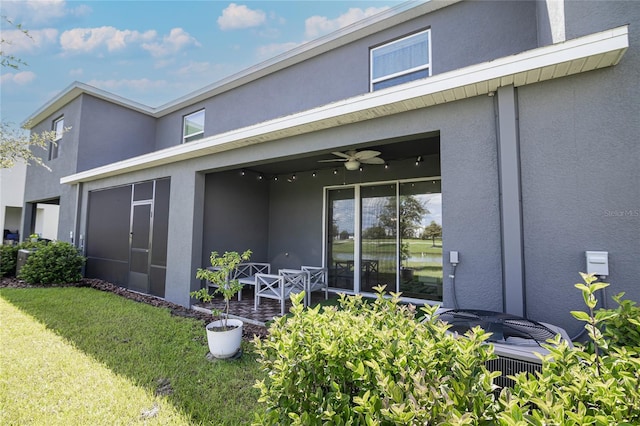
x=353 y=158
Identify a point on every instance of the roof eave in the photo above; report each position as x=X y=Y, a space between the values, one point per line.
x=74 y=90
x=579 y=55
x=398 y=14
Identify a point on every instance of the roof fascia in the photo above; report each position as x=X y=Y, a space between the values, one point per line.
x=74 y=90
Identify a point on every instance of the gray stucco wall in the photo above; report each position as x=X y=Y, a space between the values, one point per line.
x=470 y=203
x=581 y=172
x=41 y=183
x=111 y=133
x=586 y=17
x=581 y=186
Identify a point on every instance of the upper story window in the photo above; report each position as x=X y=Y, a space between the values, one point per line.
x=193 y=127
x=54 y=146
x=400 y=61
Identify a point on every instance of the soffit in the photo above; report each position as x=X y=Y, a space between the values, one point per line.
x=575 y=56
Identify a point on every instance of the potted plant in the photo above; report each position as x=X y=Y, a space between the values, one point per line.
x=224 y=336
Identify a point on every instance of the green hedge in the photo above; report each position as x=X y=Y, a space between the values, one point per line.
x=57 y=262
x=8 y=258
x=595 y=384
x=375 y=364
x=372 y=363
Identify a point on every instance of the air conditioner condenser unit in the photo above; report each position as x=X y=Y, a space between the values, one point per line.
x=516 y=340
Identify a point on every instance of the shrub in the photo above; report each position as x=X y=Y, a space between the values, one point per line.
x=579 y=386
x=372 y=363
x=8 y=259
x=53 y=263
x=9 y=256
x=623 y=326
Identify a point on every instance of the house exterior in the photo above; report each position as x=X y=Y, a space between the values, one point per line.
x=508 y=133
x=12 y=183
x=11 y=190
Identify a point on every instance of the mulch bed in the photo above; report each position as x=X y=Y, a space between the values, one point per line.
x=248 y=330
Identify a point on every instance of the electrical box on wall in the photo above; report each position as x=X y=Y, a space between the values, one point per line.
x=597 y=262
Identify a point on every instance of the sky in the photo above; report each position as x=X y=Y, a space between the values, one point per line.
x=152 y=52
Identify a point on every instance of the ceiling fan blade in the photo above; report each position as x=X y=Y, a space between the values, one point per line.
x=341 y=154
x=374 y=160
x=333 y=161
x=363 y=155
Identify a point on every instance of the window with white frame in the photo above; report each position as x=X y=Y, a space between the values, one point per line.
x=193 y=127
x=400 y=61
x=54 y=146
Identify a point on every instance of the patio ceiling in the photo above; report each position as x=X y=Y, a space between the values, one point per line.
x=575 y=56
x=391 y=151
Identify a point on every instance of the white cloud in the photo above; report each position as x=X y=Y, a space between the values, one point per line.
x=85 y=40
x=33 y=13
x=76 y=72
x=15 y=41
x=20 y=78
x=172 y=43
x=316 y=26
x=193 y=68
x=240 y=16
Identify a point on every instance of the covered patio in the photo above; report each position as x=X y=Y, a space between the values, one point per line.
x=310 y=210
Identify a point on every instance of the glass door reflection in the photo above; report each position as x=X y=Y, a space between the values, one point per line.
x=341 y=234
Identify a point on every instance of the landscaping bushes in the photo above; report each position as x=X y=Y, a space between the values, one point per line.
x=57 y=262
x=375 y=364
x=623 y=327
x=9 y=256
x=372 y=363
x=591 y=384
x=8 y=259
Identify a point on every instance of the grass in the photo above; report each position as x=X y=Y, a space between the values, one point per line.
x=81 y=356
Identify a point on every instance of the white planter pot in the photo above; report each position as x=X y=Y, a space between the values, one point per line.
x=224 y=344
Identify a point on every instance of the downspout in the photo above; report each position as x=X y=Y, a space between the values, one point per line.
x=513 y=282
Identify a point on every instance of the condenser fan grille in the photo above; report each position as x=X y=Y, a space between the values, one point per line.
x=502 y=326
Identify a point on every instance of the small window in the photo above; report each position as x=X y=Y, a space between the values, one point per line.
x=400 y=61
x=193 y=127
x=54 y=146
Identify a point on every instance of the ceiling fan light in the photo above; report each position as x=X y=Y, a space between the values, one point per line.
x=352 y=165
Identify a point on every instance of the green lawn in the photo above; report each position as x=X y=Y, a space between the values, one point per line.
x=81 y=356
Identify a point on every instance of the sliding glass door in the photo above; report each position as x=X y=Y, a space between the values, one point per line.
x=378 y=237
x=340 y=236
x=420 y=230
x=386 y=234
